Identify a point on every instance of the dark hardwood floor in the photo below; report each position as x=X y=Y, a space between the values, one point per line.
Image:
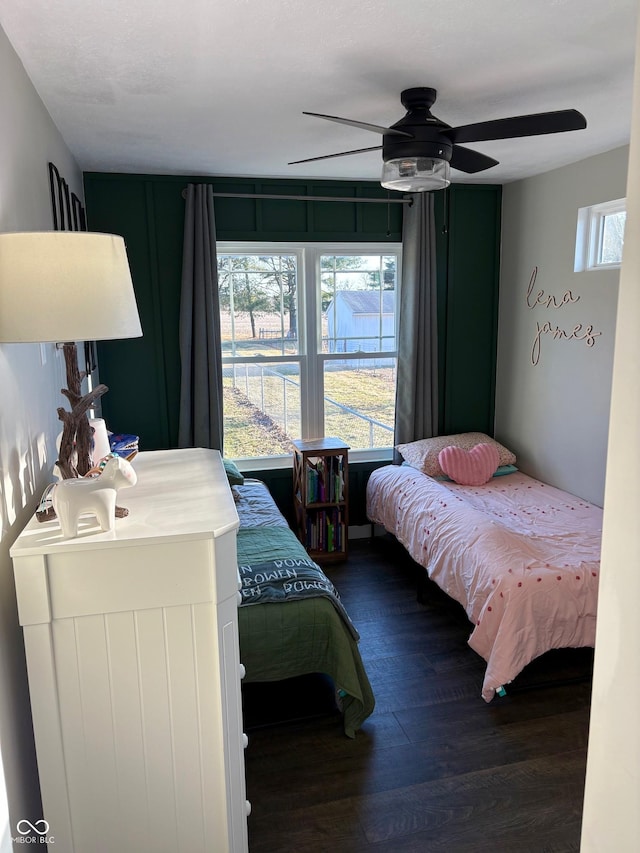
x=435 y=768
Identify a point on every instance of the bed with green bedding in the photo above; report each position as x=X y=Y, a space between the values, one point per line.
x=291 y=620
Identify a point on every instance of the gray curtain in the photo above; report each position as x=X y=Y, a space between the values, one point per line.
x=201 y=422
x=417 y=384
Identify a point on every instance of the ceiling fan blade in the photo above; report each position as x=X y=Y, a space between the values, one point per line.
x=376 y=128
x=510 y=128
x=466 y=160
x=340 y=154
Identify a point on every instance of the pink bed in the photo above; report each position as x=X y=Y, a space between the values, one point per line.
x=522 y=557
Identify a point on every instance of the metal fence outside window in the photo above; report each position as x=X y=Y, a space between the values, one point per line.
x=278 y=396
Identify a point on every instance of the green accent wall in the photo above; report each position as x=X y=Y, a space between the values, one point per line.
x=468 y=260
x=143 y=374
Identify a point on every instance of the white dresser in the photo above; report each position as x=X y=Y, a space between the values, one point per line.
x=134 y=672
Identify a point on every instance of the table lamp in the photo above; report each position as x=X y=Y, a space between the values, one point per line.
x=63 y=287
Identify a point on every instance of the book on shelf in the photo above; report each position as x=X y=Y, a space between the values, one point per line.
x=325 y=531
x=325 y=480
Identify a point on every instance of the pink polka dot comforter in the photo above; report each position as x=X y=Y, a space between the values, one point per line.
x=522 y=557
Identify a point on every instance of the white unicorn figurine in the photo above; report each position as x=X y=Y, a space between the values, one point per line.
x=93 y=495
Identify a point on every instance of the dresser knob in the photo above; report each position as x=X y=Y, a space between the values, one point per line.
x=247 y=807
x=243 y=671
x=245 y=740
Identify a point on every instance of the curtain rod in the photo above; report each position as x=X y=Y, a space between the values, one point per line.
x=312 y=198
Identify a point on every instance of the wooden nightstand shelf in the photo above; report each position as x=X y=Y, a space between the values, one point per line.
x=321 y=497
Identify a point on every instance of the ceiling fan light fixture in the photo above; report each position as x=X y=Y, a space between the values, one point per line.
x=415 y=174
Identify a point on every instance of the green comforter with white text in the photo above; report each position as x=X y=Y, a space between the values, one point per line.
x=287 y=636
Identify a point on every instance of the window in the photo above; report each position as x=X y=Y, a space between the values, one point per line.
x=600 y=236
x=308 y=346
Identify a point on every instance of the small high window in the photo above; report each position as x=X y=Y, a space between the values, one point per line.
x=600 y=236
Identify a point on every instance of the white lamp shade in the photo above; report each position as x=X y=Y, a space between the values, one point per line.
x=65 y=286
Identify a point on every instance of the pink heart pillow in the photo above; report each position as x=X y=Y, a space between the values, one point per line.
x=469 y=467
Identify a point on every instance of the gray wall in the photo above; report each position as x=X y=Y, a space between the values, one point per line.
x=30 y=393
x=554 y=414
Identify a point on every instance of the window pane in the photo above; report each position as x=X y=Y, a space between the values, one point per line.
x=359 y=401
x=612 y=238
x=262 y=321
x=358 y=302
x=261 y=408
x=258 y=304
x=600 y=235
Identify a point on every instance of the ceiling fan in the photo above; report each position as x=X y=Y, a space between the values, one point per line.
x=418 y=150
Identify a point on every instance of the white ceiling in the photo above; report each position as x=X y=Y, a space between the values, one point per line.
x=206 y=87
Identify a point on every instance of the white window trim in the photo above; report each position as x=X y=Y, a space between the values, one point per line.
x=589 y=235
x=308 y=258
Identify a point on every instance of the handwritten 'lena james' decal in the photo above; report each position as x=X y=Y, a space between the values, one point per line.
x=579 y=332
